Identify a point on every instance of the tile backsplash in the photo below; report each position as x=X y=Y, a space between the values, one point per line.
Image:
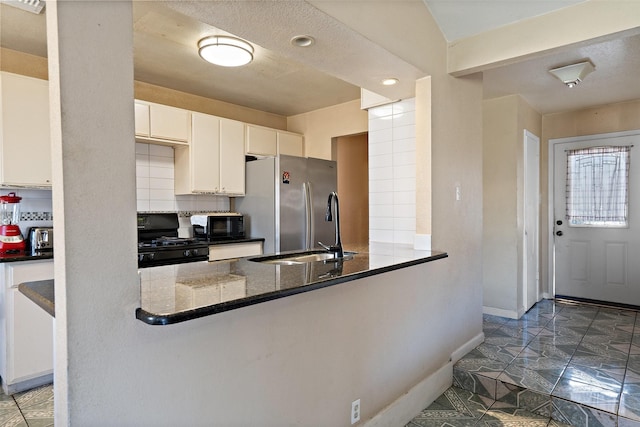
x=392 y=173
x=154 y=184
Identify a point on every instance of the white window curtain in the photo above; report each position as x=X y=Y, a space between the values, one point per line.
x=598 y=186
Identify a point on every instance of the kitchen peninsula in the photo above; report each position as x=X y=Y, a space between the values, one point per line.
x=176 y=293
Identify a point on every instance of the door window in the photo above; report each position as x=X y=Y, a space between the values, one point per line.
x=598 y=187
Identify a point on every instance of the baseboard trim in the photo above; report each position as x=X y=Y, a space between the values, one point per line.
x=420 y=396
x=18 y=387
x=511 y=314
x=467 y=347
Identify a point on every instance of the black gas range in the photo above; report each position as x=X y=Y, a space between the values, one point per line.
x=159 y=244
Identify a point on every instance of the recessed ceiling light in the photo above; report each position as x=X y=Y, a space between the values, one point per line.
x=225 y=51
x=302 y=41
x=390 y=82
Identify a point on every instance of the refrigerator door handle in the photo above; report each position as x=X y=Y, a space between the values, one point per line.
x=308 y=202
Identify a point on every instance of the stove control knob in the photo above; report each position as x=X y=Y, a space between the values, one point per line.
x=187 y=253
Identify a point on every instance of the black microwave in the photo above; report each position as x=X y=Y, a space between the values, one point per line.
x=220 y=226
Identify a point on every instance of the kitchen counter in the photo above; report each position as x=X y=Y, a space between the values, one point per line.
x=232 y=241
x=27 y=256
x=176 y=293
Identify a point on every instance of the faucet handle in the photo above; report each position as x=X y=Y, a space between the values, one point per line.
x=325 y=247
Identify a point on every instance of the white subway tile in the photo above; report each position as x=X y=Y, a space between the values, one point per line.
x=380 y=185
x=381 y=223
x=385 y=198
x=155 y=194
x=142 y=182
x=380 y=211
x=142 y=205
x=404 y=211
x=403 y=237
x=157 y=172
x=380 y=173
x=380 y=136
x=381 y=111
x=404 y=145
x=379 y=123
x=161 y=162
x=408 y=171
x=142 y=171
x=404 y=106
x=142 y=148
x=142 y=160
x=381 y=148
x=405 y=224
x=380 y=161
x=403 y=132
x=381 y=236
x=404 y=119
x=404 y=197
x=406 y=158
x=142 y=194
x=161 y=183
x=186 y=204
x=206 y=203
x=162 y=205
x=404 y=184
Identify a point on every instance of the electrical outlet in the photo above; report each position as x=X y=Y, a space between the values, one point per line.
x=355 y=411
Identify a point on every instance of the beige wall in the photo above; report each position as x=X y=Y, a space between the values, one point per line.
x=617 y=117
x=504 y=122
x=320 y=126
x=35 y=66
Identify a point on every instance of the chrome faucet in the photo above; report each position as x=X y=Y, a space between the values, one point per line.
x=337 y=247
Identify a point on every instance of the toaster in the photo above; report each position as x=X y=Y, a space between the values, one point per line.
x=41 y=238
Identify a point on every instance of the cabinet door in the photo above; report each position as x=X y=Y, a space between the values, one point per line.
x=29 y=327
x=168 y=122
x=205 y=149
x=142 y=119
x=232 y=157
x=290 y=144
x=261 y=141
x=24 y=123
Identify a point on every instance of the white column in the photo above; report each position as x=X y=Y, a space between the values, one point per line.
x=90 y=50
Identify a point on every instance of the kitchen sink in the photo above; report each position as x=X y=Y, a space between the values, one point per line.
x=302 y=257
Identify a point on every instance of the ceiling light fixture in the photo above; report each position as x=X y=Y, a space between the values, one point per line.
x=302 y=41
x=573 y=74
x=225 y=51
x=390 y=82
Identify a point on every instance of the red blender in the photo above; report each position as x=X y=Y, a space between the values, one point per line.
x=11 y=240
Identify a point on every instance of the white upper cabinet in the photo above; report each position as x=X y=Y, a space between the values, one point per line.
x=232 y=164
x=162 y=123
x=291 y=144
x=25 y=141
x=214 y=161
x=261 y=141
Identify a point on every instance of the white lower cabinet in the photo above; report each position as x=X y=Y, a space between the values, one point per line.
x=26 y=330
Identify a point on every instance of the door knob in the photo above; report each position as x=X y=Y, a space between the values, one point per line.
x=559 y=233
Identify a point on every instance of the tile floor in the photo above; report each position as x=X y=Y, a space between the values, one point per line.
x=33 y=408
x=560 y=364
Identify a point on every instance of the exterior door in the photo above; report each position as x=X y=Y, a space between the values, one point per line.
x=596 y=262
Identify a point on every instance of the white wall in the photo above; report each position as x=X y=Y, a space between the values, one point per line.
x=392 y=173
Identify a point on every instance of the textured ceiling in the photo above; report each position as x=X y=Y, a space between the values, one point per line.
x=353 y=49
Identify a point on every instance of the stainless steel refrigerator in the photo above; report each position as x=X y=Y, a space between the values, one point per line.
x=286 y=202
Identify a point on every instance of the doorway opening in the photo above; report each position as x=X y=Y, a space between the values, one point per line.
x=352 y=155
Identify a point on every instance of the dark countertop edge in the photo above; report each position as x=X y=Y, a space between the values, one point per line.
x=41 y=293
x=169 y=319
x=230 y=242
x=27 y=257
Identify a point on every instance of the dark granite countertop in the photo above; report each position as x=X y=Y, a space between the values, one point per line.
x=176 y=293
x=26 y=256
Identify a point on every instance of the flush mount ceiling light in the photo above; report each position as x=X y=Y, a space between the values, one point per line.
x=33 y=6
x=302 y=41
x=225 y=51
x=573 y=74
x=390 y=82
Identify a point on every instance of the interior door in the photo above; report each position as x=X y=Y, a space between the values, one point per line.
x=596 y=262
